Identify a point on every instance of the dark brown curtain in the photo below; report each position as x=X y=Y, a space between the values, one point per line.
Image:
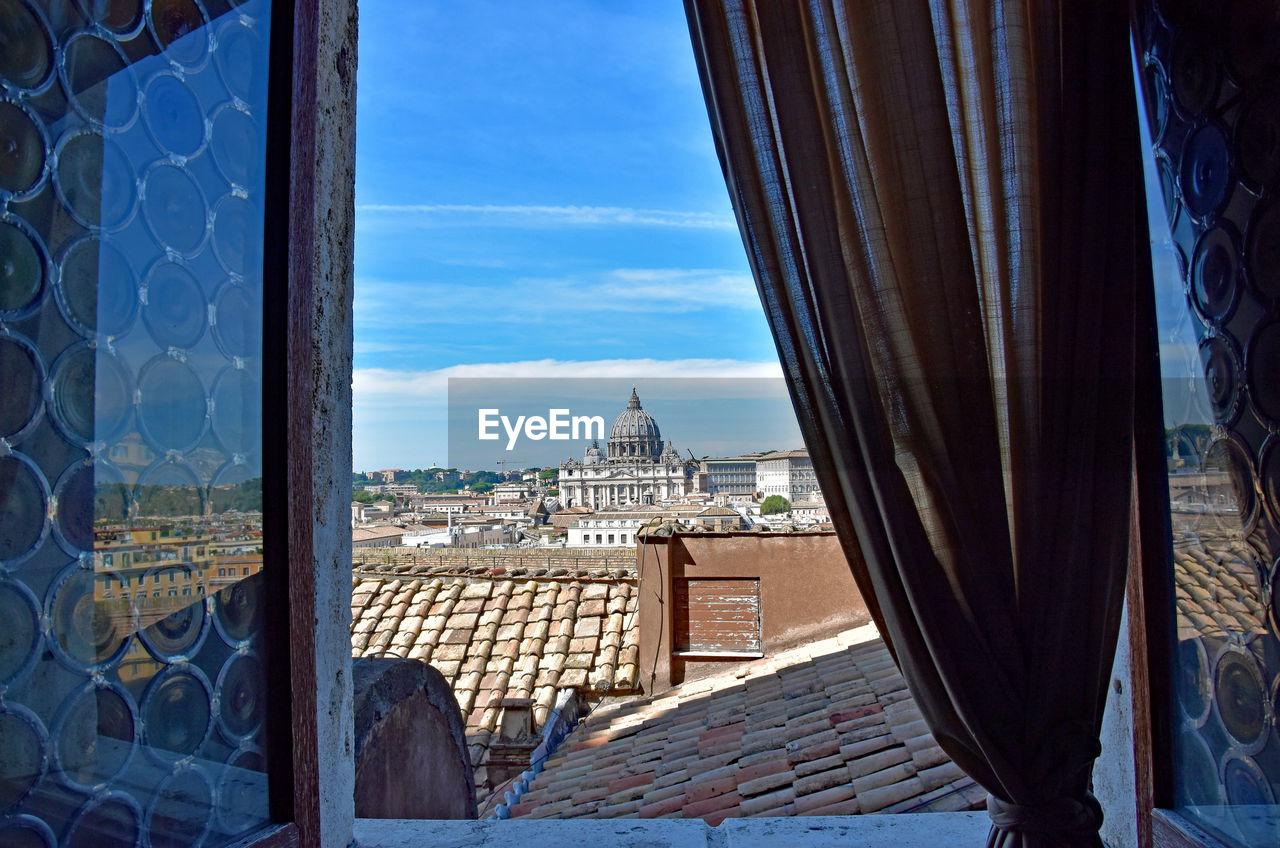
x=939 y=204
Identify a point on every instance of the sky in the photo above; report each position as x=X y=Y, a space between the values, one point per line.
x=538 y=196
x=537 y=193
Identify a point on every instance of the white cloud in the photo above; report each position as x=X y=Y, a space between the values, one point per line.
x=383 y=387
x=434 y=214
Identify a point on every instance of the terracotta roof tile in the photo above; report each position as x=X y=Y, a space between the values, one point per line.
x=826 y=729
x=494 y=637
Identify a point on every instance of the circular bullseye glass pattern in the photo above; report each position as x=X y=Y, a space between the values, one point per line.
x=175 y=310
x=90 y=633
x=25 y=831
x=95 y=735
x=240 y=697
x=179 y=816
x=238 y=321
x=1226 y=456
x=181 y=29
x=20 y=636
x=97 y=289
x=174 y=116
x=1257 y=138
x=235 y=145
x=1192 y=683
x=239 y=611
x=1195 y=75
x=90 y=394
x=98 y=82
x=1222 y=376
x=24 y=376
x=24 y=499
x=237 y=230
x=172 y=408
x=176 y=710
x=237 y=411
x=179 y=634
x=25 y=759
x=242 y=803
x=170 y=489
x=1262 y=369
x=1214 y=272
x=1205 y=171
x=1240 y=697
x=175 y=209
x=26 y=48
x=239 y=60
x=22 y=150
x=95 y=181
x=23 y=268
x=110 y=819
x=1262 y=251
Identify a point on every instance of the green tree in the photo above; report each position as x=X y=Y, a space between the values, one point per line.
x=775 y=504
x=361 y=496
x=549 y=474
x=481 y=488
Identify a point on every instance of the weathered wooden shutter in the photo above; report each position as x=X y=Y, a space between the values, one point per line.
x=717 y=616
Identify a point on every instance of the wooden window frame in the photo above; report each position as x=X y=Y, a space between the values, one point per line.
x=1149 y=595
x=289 y=253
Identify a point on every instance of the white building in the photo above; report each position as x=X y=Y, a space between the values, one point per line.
x=786 y=473
x=637 y=468
x=731 y=475
x=608 y=529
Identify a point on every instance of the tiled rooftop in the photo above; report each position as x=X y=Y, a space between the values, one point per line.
x=1217 y=591
x=826 y=729
x=501 y=635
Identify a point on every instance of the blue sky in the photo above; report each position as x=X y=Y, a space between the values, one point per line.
x=537 y=193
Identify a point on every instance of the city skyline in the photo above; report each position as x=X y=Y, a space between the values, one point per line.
x=547 y=203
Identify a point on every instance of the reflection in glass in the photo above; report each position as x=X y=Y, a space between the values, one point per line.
x=96 y=286
x=90 y=394
x=90 y=629
x=172 y=406
x=174 y=116
x=175 y=306
x=1220 y=368
x=234 y=143
x=175 y=209
x=131 y=547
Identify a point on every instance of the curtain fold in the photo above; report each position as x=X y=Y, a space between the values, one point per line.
x=937 y=200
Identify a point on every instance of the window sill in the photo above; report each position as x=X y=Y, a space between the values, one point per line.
x=718 y=655
x=921 y=830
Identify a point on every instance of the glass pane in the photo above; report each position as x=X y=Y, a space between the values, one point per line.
x=1212 y=178
x=132 y=668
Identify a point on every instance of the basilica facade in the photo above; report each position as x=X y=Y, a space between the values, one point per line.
x=635 y=468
